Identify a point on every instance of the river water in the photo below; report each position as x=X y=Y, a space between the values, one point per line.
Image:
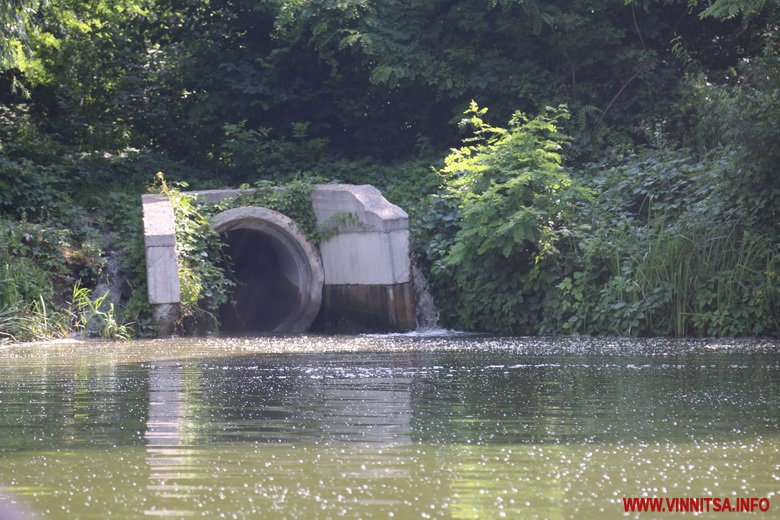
x=406 y=426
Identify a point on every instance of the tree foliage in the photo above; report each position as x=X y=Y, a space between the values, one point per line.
x=366 y=77
x=664 y=96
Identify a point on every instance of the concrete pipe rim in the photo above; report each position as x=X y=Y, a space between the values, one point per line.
x=285 y=232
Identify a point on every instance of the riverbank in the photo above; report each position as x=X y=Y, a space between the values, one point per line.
x=625 y=189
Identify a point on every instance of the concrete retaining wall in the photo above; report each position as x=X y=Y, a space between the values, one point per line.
x=367 y=266
x=365 y=278
x=162 y=275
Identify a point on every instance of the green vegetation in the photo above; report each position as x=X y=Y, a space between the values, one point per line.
x=658 y=244
x=204 y=285
x=645 y=204
x=507 y=204
x=293 y=200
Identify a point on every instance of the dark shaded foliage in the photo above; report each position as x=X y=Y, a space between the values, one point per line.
x=673 y=130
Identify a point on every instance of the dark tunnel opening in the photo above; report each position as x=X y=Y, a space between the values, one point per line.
x=263 y=296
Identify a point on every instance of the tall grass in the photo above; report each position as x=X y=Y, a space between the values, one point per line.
x=716 y=280
x=24 y=314
x=25 y=320
x=35 y=322
x=95 y=316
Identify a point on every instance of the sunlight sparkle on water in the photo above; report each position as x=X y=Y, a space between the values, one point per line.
x=436 y=425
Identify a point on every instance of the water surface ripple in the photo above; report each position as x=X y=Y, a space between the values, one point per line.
x=410 y=426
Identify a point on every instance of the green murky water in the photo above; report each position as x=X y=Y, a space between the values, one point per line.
x=384 y=426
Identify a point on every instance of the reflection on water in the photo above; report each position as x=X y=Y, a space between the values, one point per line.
x=367 y=426
x=167 y=455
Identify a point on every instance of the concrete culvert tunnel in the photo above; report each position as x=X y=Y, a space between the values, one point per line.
x=277 y=272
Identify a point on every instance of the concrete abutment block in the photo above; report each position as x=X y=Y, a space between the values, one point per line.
x=367 y=262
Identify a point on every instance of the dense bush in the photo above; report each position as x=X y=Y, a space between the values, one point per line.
x=507 y=206
x=665 y=251
x=662 y=250
x=741 y=119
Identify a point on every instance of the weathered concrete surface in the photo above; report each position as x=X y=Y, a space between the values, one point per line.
x=372 y=248
x=162 y=272
x=373 y=211
x=298 y=260
x=165 y=315
x=366 y=258
x=216 y=196
x=367 y=264
x=357 y=308
x=159 y=222
x=363 y=270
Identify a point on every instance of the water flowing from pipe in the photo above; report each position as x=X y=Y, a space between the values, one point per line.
x=426 y=313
